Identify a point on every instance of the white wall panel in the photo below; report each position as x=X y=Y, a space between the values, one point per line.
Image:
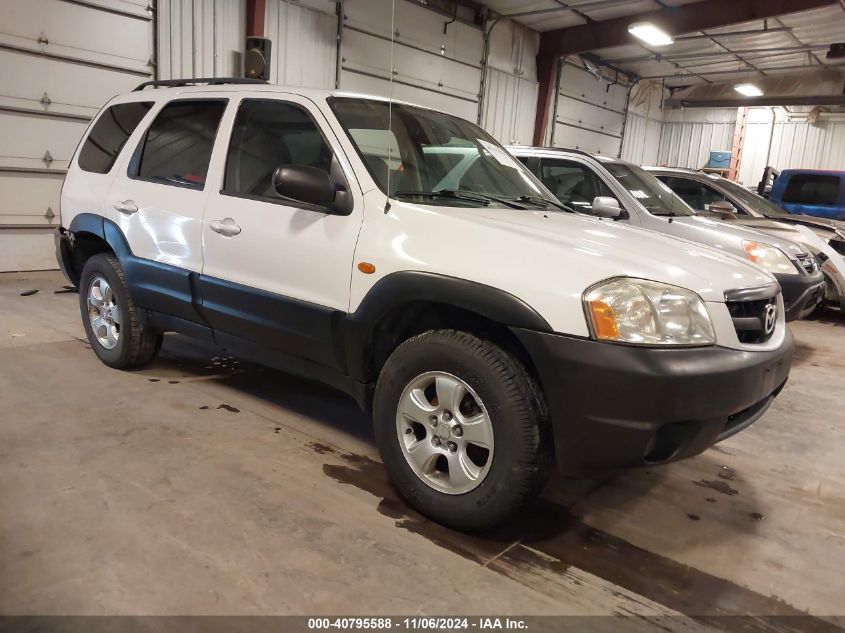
x=201 y=38
x=641 y=141
x=688 y=136
x=590 y=111
x=509 y=106
x=510 y=89
x=427 y=66
x=60 y=62
x=795 y=143
x=304 y=43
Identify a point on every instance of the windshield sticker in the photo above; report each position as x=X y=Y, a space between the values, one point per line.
x=501 y=156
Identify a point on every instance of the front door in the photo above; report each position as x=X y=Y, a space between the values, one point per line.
x=277 y=271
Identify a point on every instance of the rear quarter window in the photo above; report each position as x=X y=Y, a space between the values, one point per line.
x=820 y=189
x=109 y=135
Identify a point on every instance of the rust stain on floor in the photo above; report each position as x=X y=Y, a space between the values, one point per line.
x=547 y=540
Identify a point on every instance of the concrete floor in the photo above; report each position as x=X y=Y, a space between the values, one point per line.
x=205 y=485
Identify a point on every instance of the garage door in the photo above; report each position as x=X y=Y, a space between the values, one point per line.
x=430 y=67
x=60 y=61
x=590 y=112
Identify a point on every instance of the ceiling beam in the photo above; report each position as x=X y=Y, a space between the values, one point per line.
x=819 y=100
x=681 y=20
x=688 y=18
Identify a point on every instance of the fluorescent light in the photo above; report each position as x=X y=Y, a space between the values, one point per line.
x=650 y=34
x=749 y=90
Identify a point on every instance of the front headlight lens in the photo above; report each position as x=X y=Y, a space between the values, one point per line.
x=642 y=312
x=769 y=257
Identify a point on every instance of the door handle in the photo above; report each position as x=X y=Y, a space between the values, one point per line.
x=226 y=227
x=126 y=206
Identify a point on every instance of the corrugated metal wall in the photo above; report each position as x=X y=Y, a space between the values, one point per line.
x=200 y=38
x=688 y=136
x=641 y=141
x=794 y=143
x=510 y=88
x=304 y=41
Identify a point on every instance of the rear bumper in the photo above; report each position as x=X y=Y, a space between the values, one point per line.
x=615 y=406
x=64 y=254
x=801 y=294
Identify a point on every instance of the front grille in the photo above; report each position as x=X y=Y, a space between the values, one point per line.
x=808 y=263
x=754 y=320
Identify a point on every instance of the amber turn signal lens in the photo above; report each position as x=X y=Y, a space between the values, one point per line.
x=604 y=320
x=367 y=268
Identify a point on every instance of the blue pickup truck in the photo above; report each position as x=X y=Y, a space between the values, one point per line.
x=811 y=192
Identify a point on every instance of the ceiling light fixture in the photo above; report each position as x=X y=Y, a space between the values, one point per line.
x=650 y=34
x=749 y=90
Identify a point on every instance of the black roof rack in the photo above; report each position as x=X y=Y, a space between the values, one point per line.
x=210 y=81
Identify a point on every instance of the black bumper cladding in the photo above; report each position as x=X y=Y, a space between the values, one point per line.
x=801 y=293
x=617 y=406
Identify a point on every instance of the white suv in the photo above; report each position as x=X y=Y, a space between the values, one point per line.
x=488 y=330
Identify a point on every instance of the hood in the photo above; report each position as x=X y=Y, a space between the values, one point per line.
x=835 y=226
x=550 y=252
x=726 y=234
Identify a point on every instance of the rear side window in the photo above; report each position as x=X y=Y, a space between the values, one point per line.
x=812 y=189
x=109 y=135
x=177 y=148
x=266 y=135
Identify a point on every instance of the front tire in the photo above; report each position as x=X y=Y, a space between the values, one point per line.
x=113 y=325
x=462 y=429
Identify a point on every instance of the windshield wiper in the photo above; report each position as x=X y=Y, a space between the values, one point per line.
x=539 y=200
x=458 y=194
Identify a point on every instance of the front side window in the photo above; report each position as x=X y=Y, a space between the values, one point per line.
x=655 y=196
x=696 y=194
x=574 y=184
x=266 y=135
x=177 y=148
x=109 y=135
x=754 y=202
x=817 y=189
x=433 y=157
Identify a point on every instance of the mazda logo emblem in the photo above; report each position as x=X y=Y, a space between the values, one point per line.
x=769 y=318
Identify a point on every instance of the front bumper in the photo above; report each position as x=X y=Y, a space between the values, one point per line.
x=801 y=294
x=617 y=406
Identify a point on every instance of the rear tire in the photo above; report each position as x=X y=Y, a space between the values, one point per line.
x=432 y=394
x=113 y=325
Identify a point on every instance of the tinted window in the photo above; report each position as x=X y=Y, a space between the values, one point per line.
x=268 y=134
x=574 y=184
x=177 y=147
x=109 y=135
x=696 y=194
x=812 y=189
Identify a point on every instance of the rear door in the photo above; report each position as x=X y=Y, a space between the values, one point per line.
x=277 y=271
x=157 y=200
x=92 y=171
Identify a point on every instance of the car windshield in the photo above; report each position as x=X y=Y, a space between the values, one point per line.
x=432 y=157
x=656 y=197
x=757 y=204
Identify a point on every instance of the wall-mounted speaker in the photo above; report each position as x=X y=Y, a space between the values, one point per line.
x=257 y=59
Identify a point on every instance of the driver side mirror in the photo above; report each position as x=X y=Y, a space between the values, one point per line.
x=607 y=207
x=311 y=185
x=722 y=206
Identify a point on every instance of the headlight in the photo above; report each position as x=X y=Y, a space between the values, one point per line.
x=642 y=312
x=769 y=257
